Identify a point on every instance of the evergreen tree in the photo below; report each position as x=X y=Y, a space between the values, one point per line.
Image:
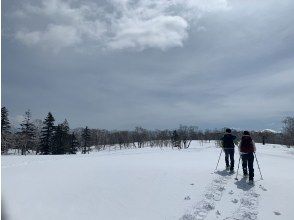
x=27 y=133
x=65 y=126
x=74 y=144
x=86 y=140
x=58 y=146
x=66 y=137
x=5 y=131
x=62 y=139
x=5 y=124
x=47 y=135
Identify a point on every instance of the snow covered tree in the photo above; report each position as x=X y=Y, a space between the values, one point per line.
x=86 y=140
x=27 y=134
x=47 y=134
x=5 y=131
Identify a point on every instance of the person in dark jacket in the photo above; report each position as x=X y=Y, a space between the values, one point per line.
x=247 y=149
x=229 y=148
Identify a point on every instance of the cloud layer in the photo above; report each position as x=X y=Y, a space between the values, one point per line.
x=157 y=64
x=113 y=24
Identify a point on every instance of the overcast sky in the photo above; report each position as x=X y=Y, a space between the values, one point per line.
x=117 y=64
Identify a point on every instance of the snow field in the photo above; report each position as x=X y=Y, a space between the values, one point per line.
x=147 y=183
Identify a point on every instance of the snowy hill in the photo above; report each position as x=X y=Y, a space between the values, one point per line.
x=147 y=183
x=270 y=131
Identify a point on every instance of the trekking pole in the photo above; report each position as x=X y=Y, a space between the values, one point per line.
x=238 y=168
x=258 y=165
x=218 y=159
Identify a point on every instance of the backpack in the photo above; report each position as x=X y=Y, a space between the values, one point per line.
x=246 y=145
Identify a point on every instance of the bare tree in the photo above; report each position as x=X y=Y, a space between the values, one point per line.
x=288 y=131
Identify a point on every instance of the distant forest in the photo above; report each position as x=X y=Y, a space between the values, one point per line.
x=46 y=138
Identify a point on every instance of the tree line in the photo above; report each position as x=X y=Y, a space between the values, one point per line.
x=46 y=138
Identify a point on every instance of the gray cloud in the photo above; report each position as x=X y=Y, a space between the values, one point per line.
x=206 y=63
x=115 y=24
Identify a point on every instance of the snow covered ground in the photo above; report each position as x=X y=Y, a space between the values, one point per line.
x=148 y=183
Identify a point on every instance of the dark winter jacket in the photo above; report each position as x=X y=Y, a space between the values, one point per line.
x=246 y=145
x=228 y=141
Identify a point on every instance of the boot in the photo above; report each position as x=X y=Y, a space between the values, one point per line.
x=251 y=182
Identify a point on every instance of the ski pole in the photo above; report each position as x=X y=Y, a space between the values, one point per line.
x=238 y=168
x=258 y=165
x=218 y=159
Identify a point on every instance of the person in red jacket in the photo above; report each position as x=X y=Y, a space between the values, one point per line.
x=247 y=149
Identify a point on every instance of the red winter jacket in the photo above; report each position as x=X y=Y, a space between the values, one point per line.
x=247 y=145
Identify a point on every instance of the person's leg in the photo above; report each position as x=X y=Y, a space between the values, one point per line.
x=227 y=157
x=232 y=152
x=250 y=166
x=244 y=164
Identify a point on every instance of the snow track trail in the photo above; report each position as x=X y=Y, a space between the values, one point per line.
x=212 y=194
x=248 y=201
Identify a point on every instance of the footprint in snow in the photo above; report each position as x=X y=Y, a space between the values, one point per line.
x=231 y=192
x=187 y=198
x=247 y=208
x=277 y=213
x=221 y=188
x=213 y=193
x=262 y=187
x=192 y=184
x=235 y=201
x=208 y=196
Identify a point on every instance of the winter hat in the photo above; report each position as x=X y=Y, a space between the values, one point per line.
x=246 y=133
x=228 y=130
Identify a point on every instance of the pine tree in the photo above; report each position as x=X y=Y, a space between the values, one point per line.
x=65 y=126
x=47 y=135
x=74 y=144
x=5 y=124
x=58 y=146
x=27 y=133
x=86 y=140
x=62 y=139
x=61 y=142
x=66 y=137
x=5 y=131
